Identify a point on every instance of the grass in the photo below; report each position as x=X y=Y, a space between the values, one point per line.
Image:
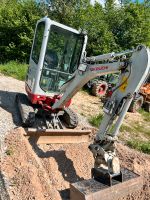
x=146 y=115
x=15 y=69
x=95 y=120
x=141 y=129
x=136 y=128
x=139 y=145
x=125 y=128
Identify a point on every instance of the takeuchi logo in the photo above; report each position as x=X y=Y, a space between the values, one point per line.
x=99 y=68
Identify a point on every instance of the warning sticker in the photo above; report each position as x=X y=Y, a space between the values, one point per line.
x=124 y=85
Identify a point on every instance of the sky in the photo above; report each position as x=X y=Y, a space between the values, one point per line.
x=103 y=1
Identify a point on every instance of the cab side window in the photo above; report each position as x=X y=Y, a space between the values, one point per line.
x=38 y=42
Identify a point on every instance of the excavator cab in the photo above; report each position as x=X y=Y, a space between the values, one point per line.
x=56 y=53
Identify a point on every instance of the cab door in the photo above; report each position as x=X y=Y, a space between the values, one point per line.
x=35 y=55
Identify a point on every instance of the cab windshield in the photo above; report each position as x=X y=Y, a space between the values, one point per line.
x=61 y=58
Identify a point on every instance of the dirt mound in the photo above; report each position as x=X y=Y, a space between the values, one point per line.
x=140 y=164
x=26 y=176
x=44 y=172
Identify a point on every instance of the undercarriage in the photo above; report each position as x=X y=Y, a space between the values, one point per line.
x=35 y=116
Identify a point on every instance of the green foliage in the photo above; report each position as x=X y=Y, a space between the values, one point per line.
x=140 y=145
x=136 y=26
x=140 y=128
x=14 y=69
x=112 y=28
x=87 y=17
x=96 y=120
x=17 y=23
x=126 y=128
x=129 y=24
x=100 y=39
x=67 y=12
x=136 y=129
x=146 y=115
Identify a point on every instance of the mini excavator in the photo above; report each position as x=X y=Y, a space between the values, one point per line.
x=59 y=68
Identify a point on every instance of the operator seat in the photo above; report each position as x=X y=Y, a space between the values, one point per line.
x=52 y=59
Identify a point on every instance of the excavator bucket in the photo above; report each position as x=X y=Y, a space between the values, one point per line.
x=92 y=189
x=60 y=136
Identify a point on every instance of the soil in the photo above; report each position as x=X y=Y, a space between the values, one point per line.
x=85 y=104
x=44 y=172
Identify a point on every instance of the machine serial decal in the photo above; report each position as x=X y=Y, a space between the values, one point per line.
x=99 y=68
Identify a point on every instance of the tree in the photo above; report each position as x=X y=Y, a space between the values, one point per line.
x=17 y=23
x=100 y=39
x=112 y=28
x=82 y=15
x=135 y=26
x=66 y=12
x=129 y=24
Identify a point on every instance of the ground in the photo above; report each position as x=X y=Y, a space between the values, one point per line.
x=44 y=172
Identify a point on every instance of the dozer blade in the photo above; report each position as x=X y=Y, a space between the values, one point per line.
x=57 y=136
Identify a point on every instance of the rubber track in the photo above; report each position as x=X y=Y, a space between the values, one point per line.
x=70 y=118
x=26 y=110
